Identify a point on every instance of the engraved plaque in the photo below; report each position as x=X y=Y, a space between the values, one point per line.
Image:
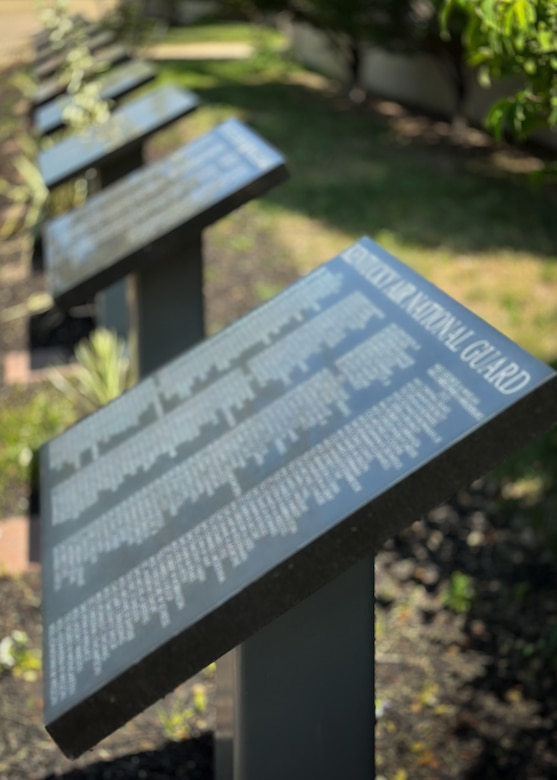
x=42 y=38
x=53 y=87
x=98 y=244
x=114 y=85
x=49 y=65
x=128 y=126
x=257 y=467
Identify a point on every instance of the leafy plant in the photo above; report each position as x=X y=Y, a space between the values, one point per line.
x=57 y=21
x=460 y=592
x=34 y=304
x=514 y=38
x=181 y=721
x=17 y=658
x=104 y=372
x=86 y=108
x=68 y=33
x=34 y=201
x=25 y=424
x=30 y=193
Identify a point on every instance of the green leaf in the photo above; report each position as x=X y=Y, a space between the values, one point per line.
x=484 y=77
x=524 y=12
x=496 y=117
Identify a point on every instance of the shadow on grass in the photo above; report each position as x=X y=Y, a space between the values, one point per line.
x=352 y=169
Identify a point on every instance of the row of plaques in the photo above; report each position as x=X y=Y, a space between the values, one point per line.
x=253 y=469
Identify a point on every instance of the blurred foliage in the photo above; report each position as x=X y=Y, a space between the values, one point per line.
x=460 y=592
x=17 y=658
x=69 y=34
x=404 y=26
x=514 y=38
x=26 y=423
x=33 y=201
x=104 y=372
x=181 y=722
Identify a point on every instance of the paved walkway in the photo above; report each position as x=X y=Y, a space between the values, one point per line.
x=200 y=51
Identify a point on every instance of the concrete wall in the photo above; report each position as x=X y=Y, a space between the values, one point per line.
x=415 y=80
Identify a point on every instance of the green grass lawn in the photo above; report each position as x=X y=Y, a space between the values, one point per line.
x=231 y=32
x=456 y=215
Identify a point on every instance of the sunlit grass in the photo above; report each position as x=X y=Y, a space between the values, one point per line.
x=483 y=234
x=225 y=32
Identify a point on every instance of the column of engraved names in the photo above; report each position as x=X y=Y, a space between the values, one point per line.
x=219 y=163
x=74 y=495
x=374 y=445
x=90 y=435
x=150 y=509
x=184 y=182
x=305 y=407
x=260 y=328
x=177 y=380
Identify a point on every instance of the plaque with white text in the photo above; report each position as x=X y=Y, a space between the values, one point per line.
x=53 y=62
x=123 y=227
x=119 y=82
x=257 y=467
x=51 y=88
x=127 y=127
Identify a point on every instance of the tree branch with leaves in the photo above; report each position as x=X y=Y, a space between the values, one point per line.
x=513 y=38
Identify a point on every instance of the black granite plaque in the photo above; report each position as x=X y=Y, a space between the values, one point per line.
x=42 y=39
x=52 y=88
x=121 y=229
x=49 y=65
x=114 y=85
x=127 y=127
x=257 y=467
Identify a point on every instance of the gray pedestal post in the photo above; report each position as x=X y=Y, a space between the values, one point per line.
x=167 y=310
x=297 y=700
x=112 y=304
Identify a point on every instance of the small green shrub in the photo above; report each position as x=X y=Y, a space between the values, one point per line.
x=26 y=423
x=460 y=592
x=104 y=372
x=182 y=721
x=17 y=658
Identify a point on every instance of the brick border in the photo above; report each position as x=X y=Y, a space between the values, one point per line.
x=19 y=545
x=18 y=370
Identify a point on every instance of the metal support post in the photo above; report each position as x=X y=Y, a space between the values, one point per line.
x=297 y=699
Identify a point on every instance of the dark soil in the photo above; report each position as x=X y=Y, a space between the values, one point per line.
x=466 y=621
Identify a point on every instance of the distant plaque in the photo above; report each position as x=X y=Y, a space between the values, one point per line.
x=42 y=39
x=49 y=65
x=118 y=230
x=257 y=467
x=53 y=87
x=116 y=84
x=127 y=127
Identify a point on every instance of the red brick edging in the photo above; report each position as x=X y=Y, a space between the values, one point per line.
x=19 y=545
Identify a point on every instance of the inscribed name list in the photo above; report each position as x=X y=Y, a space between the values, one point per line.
x=217 y=469
x=196 y=184
x=118 y=82
x=128 y=125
